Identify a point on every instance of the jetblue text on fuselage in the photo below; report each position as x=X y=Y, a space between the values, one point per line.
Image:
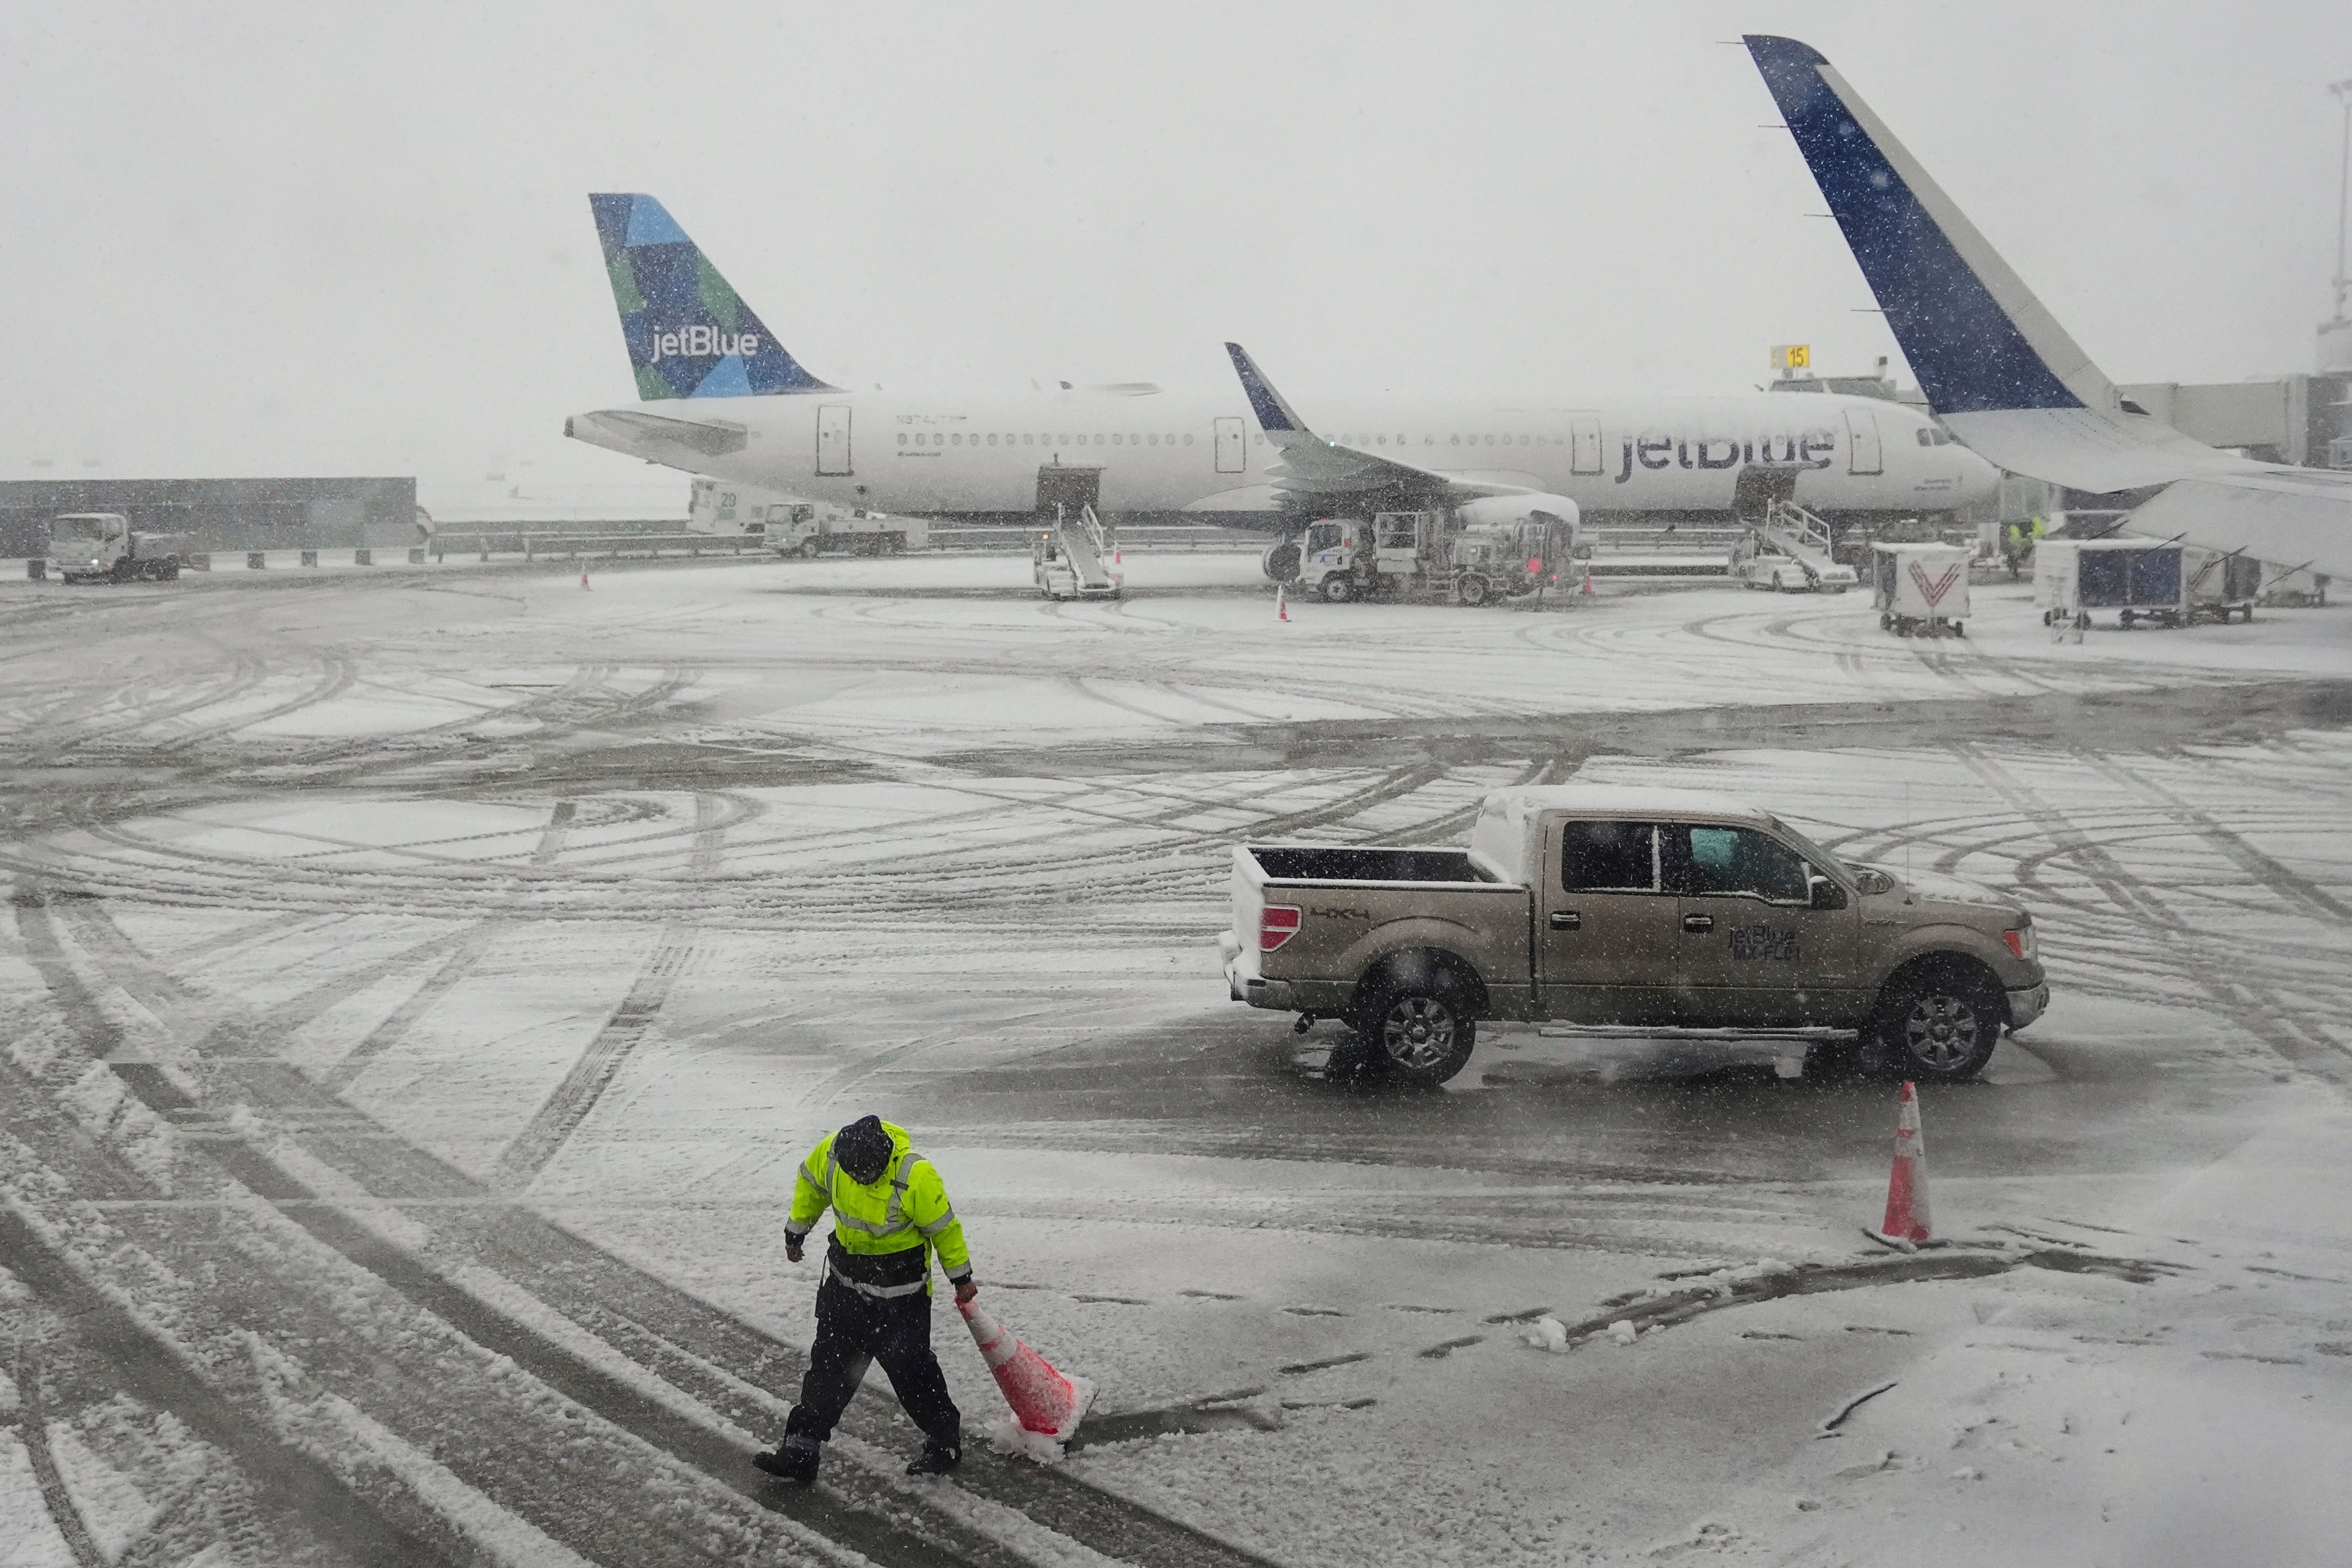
x=702 y=342
x=1813 y=449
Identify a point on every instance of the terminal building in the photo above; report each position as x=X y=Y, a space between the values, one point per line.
x=225 y=515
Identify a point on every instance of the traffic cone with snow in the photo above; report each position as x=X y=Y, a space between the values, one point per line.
x=1281 y=601
x=1043 y=1401
x=1588 y=581
x=1907 y=1184
x=583 y=577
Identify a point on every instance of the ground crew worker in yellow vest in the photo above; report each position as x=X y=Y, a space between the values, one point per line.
x=890 y=1212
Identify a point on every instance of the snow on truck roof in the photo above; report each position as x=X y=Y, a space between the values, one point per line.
x=1617 y=800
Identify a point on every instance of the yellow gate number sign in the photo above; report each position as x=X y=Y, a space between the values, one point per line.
x=1793 y=356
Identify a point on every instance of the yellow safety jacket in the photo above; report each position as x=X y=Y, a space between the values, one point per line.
x=885 y=1231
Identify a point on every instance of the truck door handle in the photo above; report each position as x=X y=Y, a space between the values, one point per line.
x=1567 y=920
x=1698 y=922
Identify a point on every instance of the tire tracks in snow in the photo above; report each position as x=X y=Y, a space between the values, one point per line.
x=737 y=1372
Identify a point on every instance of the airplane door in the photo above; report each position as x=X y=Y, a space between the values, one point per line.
x=833 y=439
x=1231 y=456
x=1862 y=428
x=1584 y=440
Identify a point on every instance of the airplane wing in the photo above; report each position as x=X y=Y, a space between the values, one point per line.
x=1996 y=366
x=1312 y=467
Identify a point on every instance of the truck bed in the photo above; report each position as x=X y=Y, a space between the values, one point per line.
x=1344 y=862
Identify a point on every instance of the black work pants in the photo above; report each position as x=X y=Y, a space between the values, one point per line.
x=854 y=1330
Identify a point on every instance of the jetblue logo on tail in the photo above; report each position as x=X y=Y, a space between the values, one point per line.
x=703 y=342
x=689 y=334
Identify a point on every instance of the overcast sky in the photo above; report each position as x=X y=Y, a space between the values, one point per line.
x=259 y=238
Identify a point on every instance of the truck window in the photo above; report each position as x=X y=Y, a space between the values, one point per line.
x=1322 y=536
x=1706 y=862
x=1608 y=857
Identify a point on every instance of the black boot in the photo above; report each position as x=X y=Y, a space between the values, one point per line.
x=936 y=1460
x=795 y=1461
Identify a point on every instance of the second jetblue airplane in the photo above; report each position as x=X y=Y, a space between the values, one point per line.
x=720 y=396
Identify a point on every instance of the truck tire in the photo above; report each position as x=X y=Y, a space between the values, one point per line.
x=1417 y=1031
x=1938 y=1021
x=1472 y=589
x=809 y=549
x=1338 y=589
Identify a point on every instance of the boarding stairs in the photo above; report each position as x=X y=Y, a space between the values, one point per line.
x=1804 y=539
x=1081 y=565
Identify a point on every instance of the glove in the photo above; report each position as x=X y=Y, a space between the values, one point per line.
x=966 y=1288
x=792 y=1248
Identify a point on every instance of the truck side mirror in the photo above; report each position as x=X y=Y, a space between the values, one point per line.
x=1824 y=893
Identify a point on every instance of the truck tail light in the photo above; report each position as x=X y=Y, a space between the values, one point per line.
x=1278 y=923
x=2020 y=942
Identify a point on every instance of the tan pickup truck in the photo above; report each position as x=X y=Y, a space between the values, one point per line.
x=1638 y=907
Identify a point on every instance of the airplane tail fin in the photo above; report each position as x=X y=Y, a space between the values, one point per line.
x=689 y=334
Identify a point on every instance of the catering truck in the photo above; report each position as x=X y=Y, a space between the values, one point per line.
x=1649 y=908
x=91 y=547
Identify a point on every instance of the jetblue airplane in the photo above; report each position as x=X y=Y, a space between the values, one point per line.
x=2000 y=371
x=721 y=395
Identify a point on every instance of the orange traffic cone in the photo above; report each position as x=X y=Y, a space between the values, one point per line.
x=1587 y=580
x=1281 y=603
x=1907 y=1184
x=1043 y=1400
x=583 y=577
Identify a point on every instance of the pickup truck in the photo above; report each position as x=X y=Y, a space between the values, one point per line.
x=1643 y=908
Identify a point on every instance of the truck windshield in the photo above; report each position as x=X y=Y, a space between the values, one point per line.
x=1823 y=860
x=80 y=528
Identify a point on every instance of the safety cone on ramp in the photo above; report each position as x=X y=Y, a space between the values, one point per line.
x=1588 y=581
x=1281 y=601
x=1907 y=1184
x=1043 y=1401
x=583 y=577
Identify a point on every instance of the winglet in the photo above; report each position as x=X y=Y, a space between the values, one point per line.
x=689 y=334
x=1975 y=334
x=1275 y=415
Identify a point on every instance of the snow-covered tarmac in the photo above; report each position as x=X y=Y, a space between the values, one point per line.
x=421 y=988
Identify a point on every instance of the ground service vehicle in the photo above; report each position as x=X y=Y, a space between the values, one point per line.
x=1072 y=558
x=1920 y=590
x=1630 y=908
x=1454 y=557
x=792 y=526
x=2164 y=583
x=91 y=547
x=1788 y=550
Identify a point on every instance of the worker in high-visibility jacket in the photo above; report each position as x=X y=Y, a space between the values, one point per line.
x=890 y=1213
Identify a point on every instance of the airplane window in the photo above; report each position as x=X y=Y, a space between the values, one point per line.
x=902 y=438
x=1490 y=440
x=1188 y=441
x=1155 y=441
x=1172 y=440
x=1383 y=441
x=1115 y=441
x=1457 y=441
x=1135 y=440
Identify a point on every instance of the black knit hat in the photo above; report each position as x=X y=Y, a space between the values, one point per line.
x=862 y=1149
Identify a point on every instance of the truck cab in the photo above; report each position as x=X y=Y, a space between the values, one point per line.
x=91 y=546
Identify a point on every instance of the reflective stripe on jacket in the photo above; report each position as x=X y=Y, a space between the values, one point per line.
x=906 y=1209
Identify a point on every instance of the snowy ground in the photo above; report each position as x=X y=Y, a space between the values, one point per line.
x=419 y=990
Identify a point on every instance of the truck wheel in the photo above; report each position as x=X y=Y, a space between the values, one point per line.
x=1472 y=589
x=1417 y=1031
x=169 y=571
x=808 y=549
x=1337 y=590
x=2127 y=618
x=1939 y=1021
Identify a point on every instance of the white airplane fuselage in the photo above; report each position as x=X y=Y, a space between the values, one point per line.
x=943 y=453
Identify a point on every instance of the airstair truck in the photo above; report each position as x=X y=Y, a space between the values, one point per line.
x=1787 y=550
x=102 y=547
x=1920 y=590
x=1071 y=559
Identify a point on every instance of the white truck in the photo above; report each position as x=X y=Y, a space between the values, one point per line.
x=102 y=547
x=792 y=526
x=1430 y=556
